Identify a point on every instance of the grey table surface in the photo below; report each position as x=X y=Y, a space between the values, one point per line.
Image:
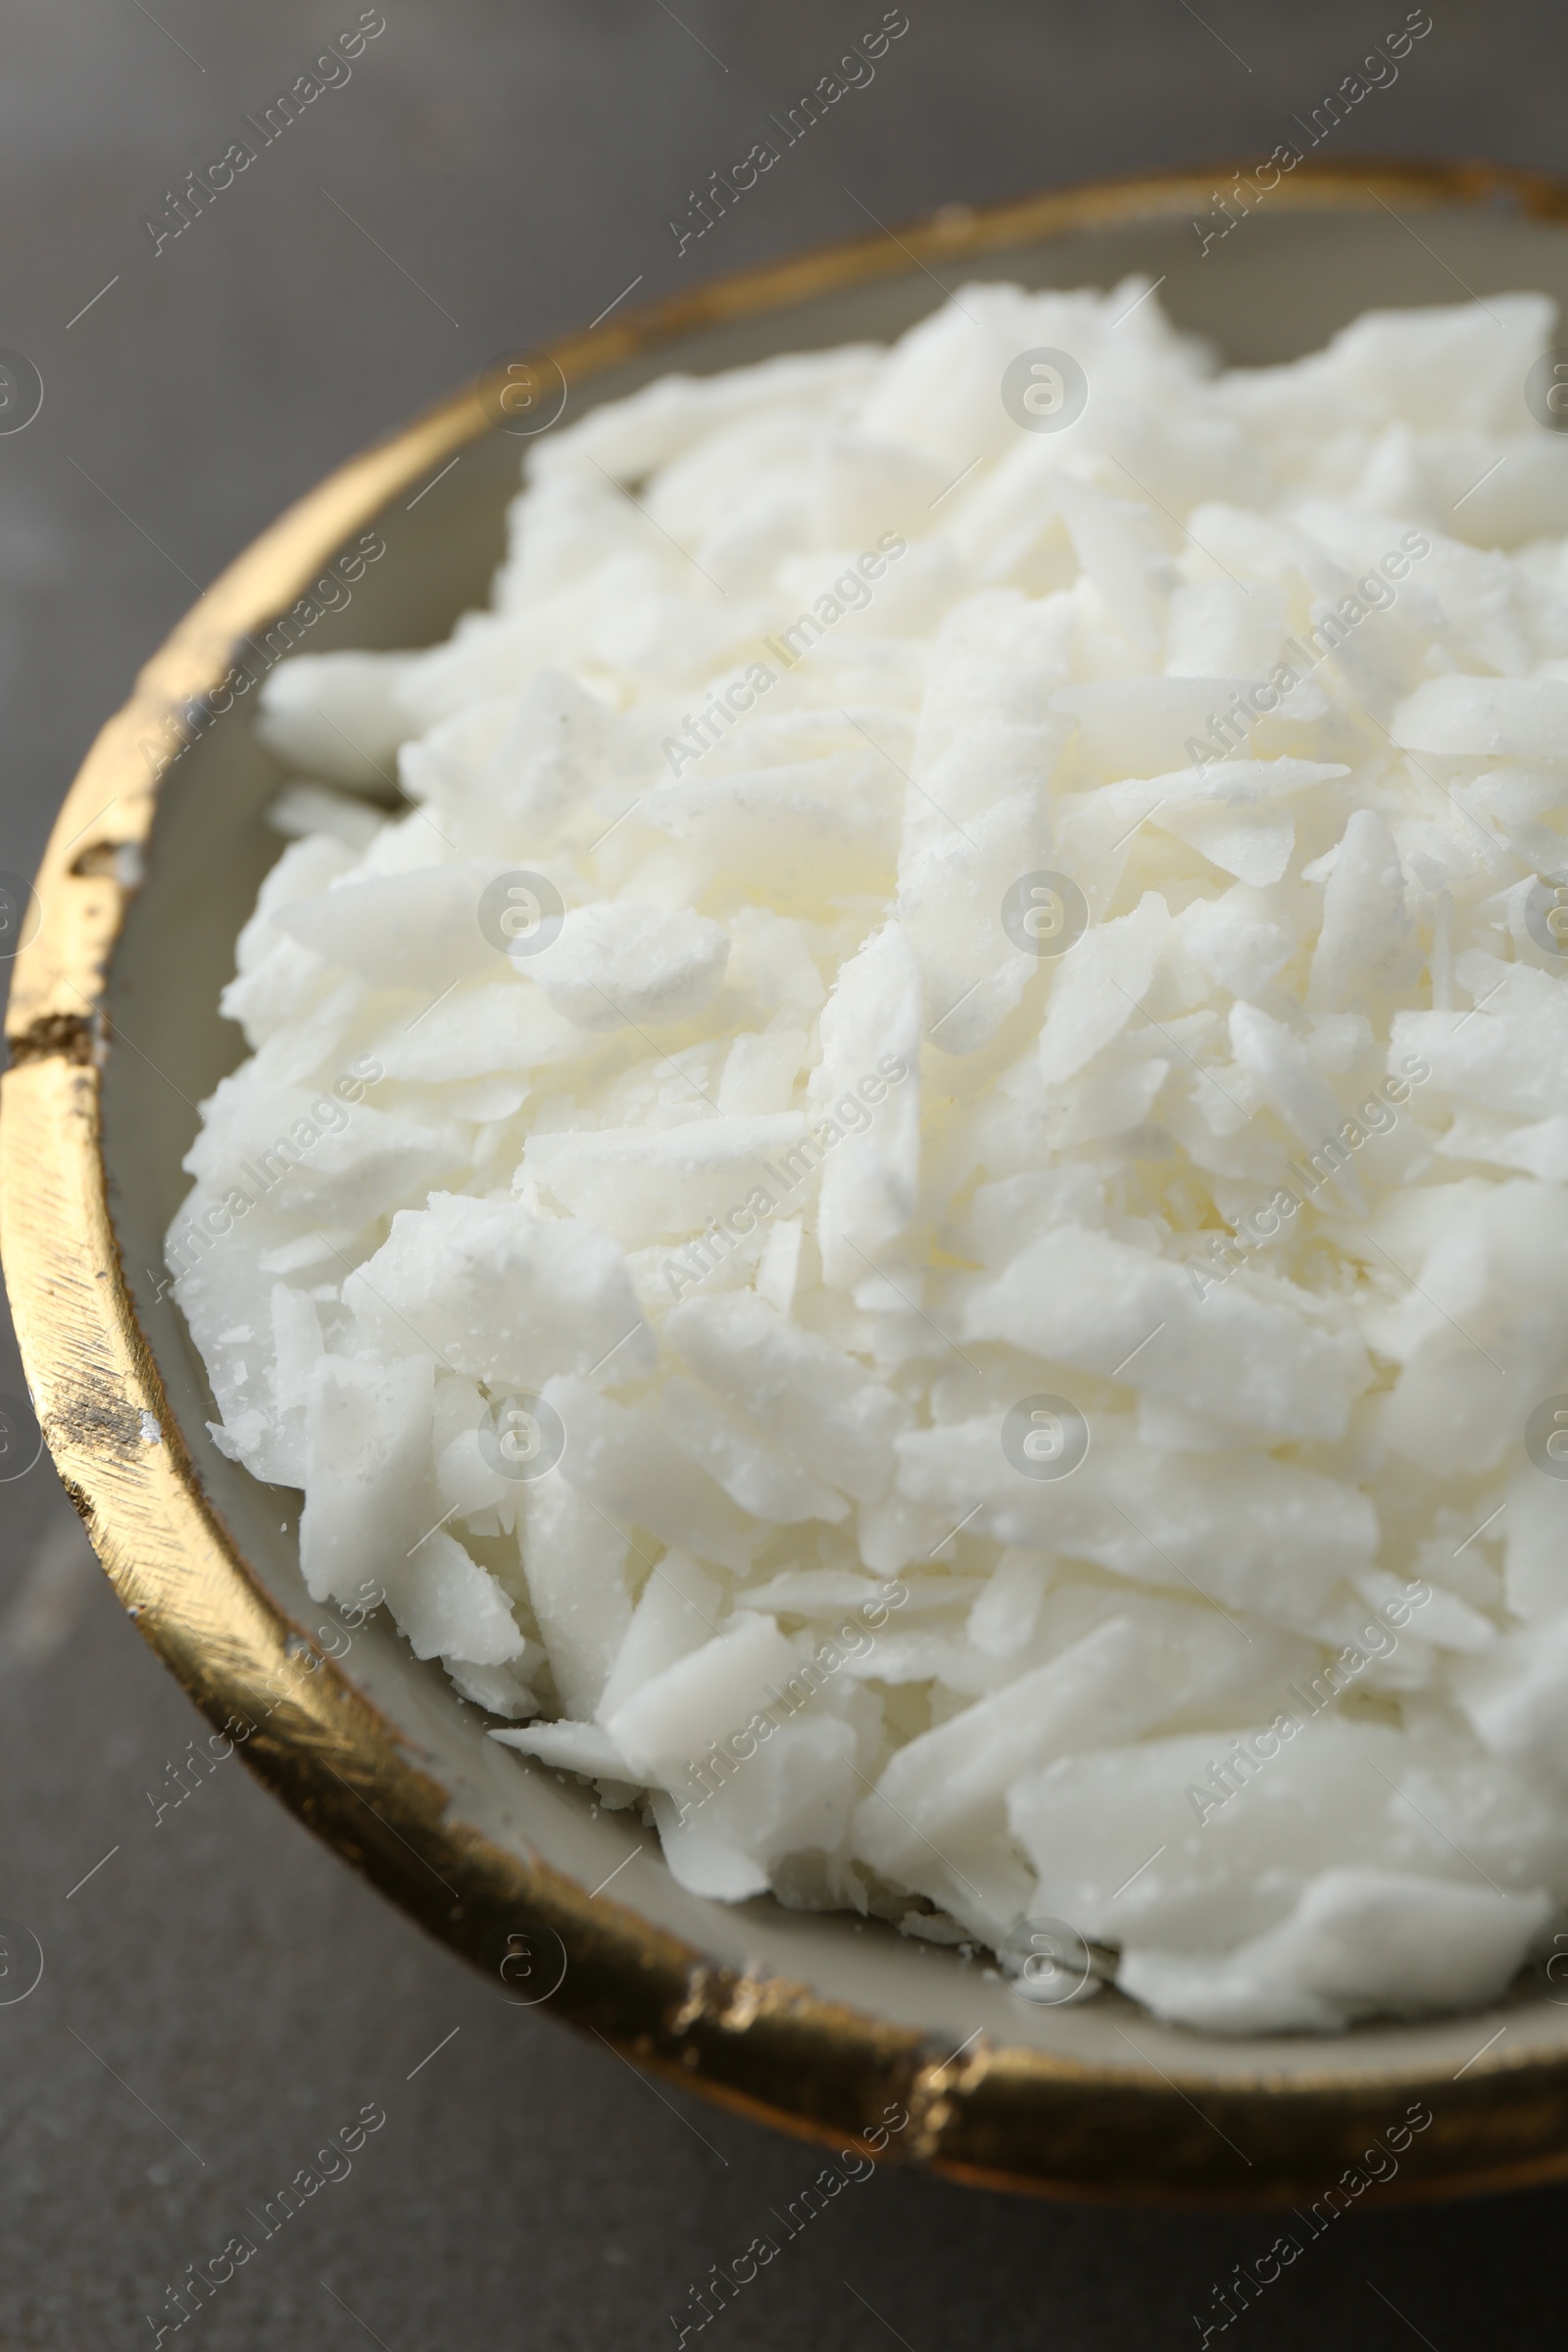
x=218 y=1994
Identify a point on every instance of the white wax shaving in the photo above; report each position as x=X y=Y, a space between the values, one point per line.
x=914 y=1208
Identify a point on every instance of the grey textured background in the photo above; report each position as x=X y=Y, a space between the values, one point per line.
x=221 y=1993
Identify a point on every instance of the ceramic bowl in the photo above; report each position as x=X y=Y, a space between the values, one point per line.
x=817 y=2022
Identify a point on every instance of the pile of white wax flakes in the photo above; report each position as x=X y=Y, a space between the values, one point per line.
x=911 y=1203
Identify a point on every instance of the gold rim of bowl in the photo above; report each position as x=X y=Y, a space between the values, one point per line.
x=1003 y=2116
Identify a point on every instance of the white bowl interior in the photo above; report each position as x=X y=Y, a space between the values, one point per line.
x=1283 y=283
